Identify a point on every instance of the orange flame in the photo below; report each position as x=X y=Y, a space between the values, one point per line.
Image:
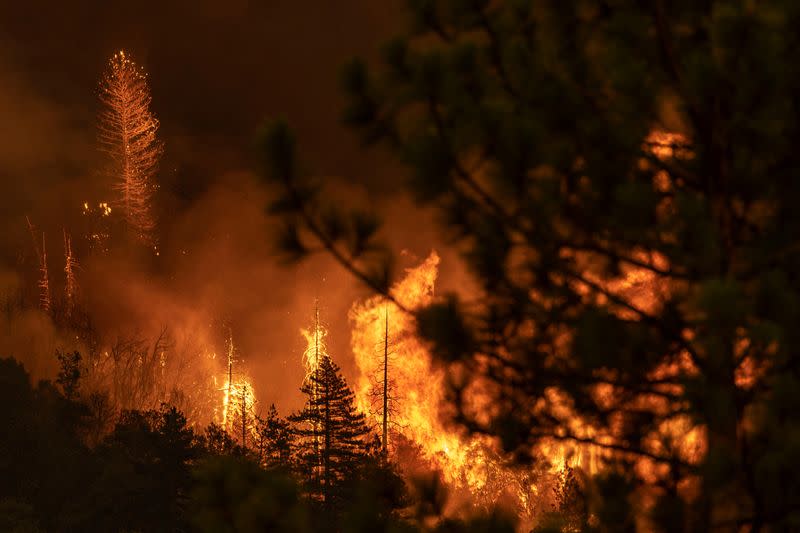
x=467 y=463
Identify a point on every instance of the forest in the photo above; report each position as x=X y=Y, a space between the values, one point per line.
x=520 y=266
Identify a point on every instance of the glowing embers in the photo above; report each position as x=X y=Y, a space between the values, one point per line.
x=127 y=133
x=97 y=225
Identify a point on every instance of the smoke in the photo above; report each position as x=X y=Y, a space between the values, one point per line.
x=216 y=267
x=216 y=264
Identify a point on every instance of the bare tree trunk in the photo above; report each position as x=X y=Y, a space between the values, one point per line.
x=385 y=441
x=244 y=416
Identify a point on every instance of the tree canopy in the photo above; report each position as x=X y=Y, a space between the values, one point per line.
x=333 y=434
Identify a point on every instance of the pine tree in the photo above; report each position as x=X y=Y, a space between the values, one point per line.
x=69 y=373
x=274 y=440
x=621 y=178
x=330 y=419
x=218 y=442
x=128 y=134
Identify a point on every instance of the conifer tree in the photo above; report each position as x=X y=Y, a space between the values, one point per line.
x=621 y=178
x=128 y=134
x=329 y=418
x=274 y=440
x=69 y=373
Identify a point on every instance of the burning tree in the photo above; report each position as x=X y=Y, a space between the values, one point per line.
x=241 y=407
x=621 y=180
x=316 y=348
x=470 y=464
x=332 y=434
x=45 y=302
x=128 y=134
x=238 y=400
x=377 y=391
x=70 y=282
x=384 y=387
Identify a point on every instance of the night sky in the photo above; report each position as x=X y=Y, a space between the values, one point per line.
x=217 y=70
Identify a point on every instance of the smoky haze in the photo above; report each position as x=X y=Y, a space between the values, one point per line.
x=217 y=70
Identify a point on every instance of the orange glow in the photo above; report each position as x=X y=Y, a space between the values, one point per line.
x=238 y=403
x=316 y=349
x=128 y=134
x=238 y=400
x=468 y=464
x=70 y=283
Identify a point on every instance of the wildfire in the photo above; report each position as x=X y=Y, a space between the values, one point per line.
x=316 y=347
x=467 y=463
x=238 y=401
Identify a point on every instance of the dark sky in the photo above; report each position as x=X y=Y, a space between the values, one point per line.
x=217 y=71
x=217 y=68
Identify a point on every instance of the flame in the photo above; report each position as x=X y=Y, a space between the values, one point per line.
x=417 y=393
x=468 y=462
x=238 y=400
x=316 y=347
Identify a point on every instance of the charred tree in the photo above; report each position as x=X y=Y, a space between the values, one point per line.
x=43 y=283
x=382 y=393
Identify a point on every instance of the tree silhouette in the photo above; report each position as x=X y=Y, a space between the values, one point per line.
x=330 y=419
x=69 y=373
x=145 y=478
x=274 y=440
x=128 y=135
